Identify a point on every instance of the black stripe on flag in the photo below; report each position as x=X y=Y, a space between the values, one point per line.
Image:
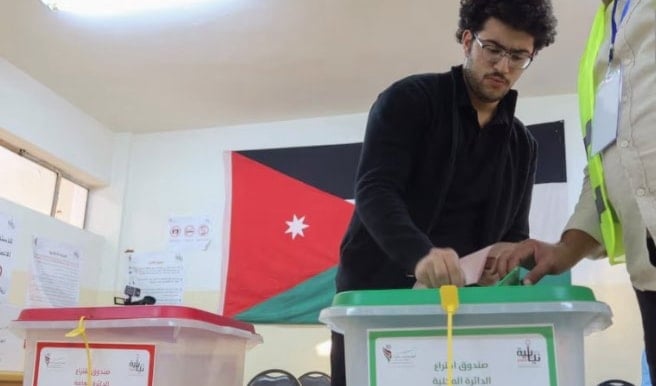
x=552 y=166
x=332 y=168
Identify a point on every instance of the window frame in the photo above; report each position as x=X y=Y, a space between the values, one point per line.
x=59 y=174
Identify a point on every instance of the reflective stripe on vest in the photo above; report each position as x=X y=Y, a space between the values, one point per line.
x=611 y=229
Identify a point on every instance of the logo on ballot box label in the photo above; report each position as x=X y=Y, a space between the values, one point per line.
x=136 y=366
x=53 y=361
x=396 y=356
x=528 y=355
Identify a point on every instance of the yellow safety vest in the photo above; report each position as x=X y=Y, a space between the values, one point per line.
x=611 y=229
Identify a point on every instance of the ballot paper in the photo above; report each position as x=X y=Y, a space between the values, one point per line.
x=472 y=266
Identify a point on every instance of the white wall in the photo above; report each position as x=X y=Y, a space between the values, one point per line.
x=35 y=118
x=105 y=217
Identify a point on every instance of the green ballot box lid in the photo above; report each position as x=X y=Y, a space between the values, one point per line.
x=467 y=295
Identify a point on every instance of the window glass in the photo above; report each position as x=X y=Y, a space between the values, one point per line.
x=33 y=183
x=71 y=203
x=25 y=182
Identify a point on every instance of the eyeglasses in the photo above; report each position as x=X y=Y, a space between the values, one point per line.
x=493 y=53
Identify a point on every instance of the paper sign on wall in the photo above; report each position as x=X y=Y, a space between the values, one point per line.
x=189 y=233
x=158 y=274
x=54 y=277
x=7 y=254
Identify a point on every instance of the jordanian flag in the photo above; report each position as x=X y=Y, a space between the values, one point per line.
x=289 y=209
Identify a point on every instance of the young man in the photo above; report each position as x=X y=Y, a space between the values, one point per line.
x=621 y=52
x=446 y=168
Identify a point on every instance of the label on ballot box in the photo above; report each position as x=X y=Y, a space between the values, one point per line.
x=63 y=363
x=482 y=356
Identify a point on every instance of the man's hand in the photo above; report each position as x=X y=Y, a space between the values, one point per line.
x=490 y=275
x=546 y=258
x=439 y=267
x=542 y=256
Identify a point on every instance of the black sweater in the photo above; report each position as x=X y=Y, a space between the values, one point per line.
x=413 y=137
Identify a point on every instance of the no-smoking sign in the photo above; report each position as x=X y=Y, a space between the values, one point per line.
x=190 y=231
x=175 y=231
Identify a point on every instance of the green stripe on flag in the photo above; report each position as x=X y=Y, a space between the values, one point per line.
x=299 y=305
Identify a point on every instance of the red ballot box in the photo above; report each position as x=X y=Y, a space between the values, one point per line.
x=133 y=346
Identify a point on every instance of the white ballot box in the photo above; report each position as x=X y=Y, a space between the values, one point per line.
x=133 y=346
x=501 y=336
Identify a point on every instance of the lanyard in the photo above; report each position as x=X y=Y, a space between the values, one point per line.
x=614 y=26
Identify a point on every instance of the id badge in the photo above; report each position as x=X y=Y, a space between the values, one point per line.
x=605 y=121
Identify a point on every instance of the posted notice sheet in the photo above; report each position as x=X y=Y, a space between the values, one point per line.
x=158 y=274
x=7 y=254
x=54 y=277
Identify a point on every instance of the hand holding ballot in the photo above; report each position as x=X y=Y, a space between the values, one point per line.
x=443 y=266
x=439 y=267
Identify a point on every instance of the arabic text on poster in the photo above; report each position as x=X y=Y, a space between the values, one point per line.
x=7 y=254
x=158 y=274
x=54 y=279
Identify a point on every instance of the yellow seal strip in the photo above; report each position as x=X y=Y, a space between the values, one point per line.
x=81 y=330
x=450 y=303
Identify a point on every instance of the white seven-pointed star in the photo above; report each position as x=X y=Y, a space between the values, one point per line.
x=296 y=226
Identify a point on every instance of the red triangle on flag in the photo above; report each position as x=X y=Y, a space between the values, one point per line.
x=282 y=232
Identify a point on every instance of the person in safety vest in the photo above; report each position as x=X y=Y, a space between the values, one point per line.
x=616 y=212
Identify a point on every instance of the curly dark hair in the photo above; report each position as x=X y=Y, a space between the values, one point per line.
x=534 y=17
